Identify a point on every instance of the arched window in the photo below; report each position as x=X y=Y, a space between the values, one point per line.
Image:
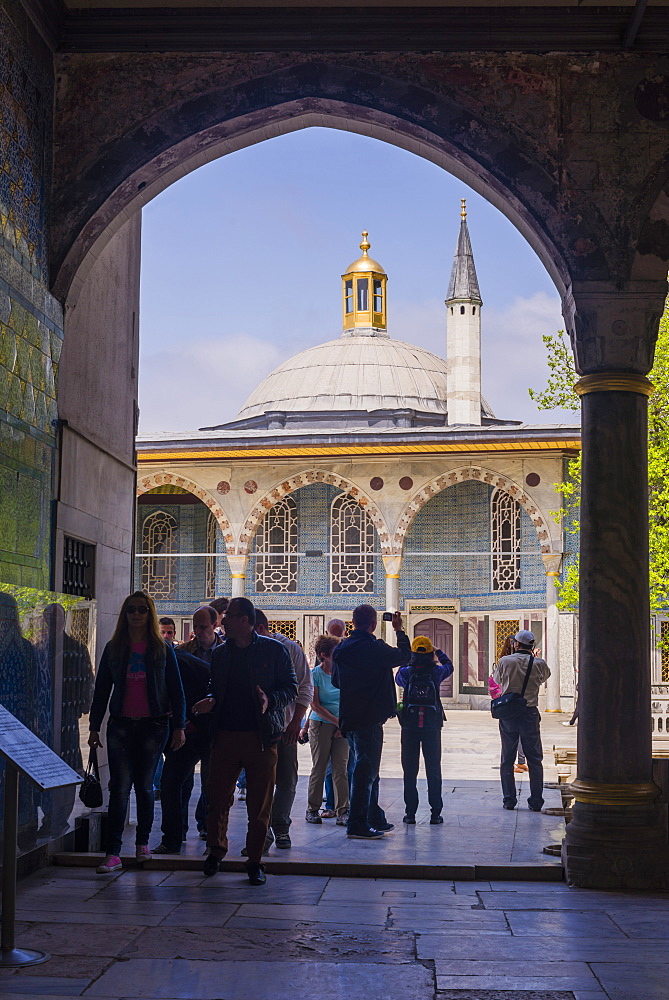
x=276 y=548
x=352 y=560
x=210 y=561
x=505 y=537
x=159 y=573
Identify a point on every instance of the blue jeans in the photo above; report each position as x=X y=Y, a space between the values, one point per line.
x=528 y=729
x=134 y=747
x=364 y=809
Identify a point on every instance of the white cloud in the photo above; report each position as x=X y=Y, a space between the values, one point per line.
x=203 y=382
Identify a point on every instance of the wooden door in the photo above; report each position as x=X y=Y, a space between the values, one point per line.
x=440 y=634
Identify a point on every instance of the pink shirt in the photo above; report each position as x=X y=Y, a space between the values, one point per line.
x=135 y=697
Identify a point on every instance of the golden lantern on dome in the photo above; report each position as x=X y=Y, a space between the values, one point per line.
x=364 y=293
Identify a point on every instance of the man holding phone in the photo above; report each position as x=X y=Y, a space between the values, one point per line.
x=363 y=672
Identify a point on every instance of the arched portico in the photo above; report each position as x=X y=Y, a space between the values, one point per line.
x=147 y=483
x=509 y=131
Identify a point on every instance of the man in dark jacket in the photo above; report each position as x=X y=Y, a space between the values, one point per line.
x=363 y=672
x=176 y=782
x=252 y=682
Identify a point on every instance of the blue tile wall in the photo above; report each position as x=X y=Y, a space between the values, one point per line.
x=458 y=520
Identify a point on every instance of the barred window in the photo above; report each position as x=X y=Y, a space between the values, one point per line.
x=159 y=574
x=210 y=561
x=505 y=535
x=287 y=627
x=352 y=561
x=276 y=548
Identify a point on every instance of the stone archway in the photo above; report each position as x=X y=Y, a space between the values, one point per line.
x=167 y=478
x=257 y=513
x=442 y=482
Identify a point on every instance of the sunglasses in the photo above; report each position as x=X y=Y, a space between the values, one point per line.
x=136 y=609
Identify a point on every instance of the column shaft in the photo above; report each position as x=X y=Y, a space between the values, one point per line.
x=552 y=646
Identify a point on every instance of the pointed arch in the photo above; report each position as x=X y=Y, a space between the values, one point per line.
x=147 y=483
x=419 y=499
x=308 y=478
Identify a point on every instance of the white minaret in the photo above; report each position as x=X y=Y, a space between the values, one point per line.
x=463 y=333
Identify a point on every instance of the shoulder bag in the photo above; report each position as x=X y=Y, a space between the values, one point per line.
x=511 y=705
x=90 y=791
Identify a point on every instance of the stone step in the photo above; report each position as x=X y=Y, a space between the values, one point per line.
x=508 y=872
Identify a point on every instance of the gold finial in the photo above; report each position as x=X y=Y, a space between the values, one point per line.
x=365 y=245
x=463 y=208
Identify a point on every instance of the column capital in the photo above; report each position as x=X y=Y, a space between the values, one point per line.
x=613 y=329
x=552 y=562
x=392 y=566
x=237 y=566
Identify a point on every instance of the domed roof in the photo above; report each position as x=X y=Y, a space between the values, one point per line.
x=364 y=263
x=354 y=373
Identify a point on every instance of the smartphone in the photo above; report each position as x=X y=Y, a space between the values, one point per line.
x=387 y=616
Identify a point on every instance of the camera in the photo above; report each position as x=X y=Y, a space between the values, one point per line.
x=387 y=616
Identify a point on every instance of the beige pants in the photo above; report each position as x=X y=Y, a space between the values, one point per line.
x=324 y=747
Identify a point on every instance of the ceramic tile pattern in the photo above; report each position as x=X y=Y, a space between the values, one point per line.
x=30 y=319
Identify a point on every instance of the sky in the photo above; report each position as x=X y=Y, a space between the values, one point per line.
x=242 y=262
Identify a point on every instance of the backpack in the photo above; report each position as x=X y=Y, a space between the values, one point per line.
x=422 y=708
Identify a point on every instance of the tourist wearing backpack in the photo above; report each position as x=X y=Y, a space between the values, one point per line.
x=421 y=718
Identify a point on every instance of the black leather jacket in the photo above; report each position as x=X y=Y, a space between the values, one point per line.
x=272 y=670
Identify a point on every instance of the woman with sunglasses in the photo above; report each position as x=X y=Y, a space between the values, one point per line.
x=139 y=670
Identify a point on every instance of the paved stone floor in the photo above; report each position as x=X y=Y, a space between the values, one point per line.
x=161 y=935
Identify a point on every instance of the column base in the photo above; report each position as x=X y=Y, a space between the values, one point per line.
x=609 y=847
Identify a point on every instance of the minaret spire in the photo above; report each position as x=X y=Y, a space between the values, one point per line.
x=463 y=332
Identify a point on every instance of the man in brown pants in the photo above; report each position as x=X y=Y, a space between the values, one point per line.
x=252 y=682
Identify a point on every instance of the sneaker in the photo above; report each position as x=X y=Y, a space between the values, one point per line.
x=436 y=818
x=312 y=817
x=164 y=849
x=112 y=863
x=509 y=805
x=386 y=827
x=142 y=852
x=534 y=809
x=409 y=820
x=369 y=834
x=211 y=865
x=282 y=840
x=343 y=819
x=256 y=874
x=328 y=814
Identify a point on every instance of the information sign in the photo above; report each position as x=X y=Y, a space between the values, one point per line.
x=34 y=759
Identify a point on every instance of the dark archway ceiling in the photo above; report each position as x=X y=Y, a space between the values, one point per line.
x=343 y=25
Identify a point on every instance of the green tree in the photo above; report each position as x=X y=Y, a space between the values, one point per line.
x=559 y=392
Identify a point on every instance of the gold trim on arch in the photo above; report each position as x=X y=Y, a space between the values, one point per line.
x=601 y=794
x=614 y=382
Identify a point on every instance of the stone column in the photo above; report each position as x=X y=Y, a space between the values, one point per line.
x=238 y=573
x=615 y=839
x=392 y=566
x=551 y=651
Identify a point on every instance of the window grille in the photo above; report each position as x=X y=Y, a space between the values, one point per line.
x=352 y=564
x=664 y=650
x=287 y=628
x=210 y=561
x=78 y=568
x=276 y=548
x=505 y=535
x=503 y=630
x=349 y=627
x=159 y=569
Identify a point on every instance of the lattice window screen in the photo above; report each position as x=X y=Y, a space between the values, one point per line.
x=503 y=630
x=505 y=536
x=664 y=650
x=276 y=548
x=210 y=561
x=352 y=562
x=285 y=627
x=159 y=569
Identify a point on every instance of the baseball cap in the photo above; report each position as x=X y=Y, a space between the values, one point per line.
x=524 y=637
x=421 y=644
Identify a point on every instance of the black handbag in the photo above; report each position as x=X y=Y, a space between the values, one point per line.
x=90 y=791
x=511 y=705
